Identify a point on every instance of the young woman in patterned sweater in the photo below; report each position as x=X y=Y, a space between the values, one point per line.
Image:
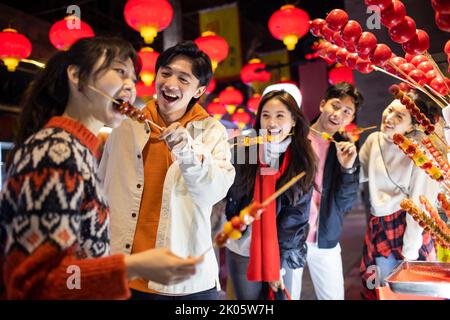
x=54 y=219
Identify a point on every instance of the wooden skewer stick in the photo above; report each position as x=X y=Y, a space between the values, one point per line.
x=437 y=94
x=271 y=198
x=318 y=132
x=117 y=102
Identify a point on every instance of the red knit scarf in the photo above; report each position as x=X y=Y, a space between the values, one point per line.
x=264 y=264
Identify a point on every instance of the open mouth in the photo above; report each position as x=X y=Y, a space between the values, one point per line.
x=334 y=122
x=169 y=97
x=274 y=132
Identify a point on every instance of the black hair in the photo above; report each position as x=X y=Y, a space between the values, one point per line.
x=48 y=93
x=303 y=156
x=201 y=63
x=343 y=89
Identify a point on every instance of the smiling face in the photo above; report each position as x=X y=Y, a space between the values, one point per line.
x=336 y=113
x=396 y=119
x=176 y=85
x=276 y=119
x=117 y=81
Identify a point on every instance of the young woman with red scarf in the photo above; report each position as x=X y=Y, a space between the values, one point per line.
x=274 y=245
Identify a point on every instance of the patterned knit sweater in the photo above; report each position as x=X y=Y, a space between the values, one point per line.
x=54 y=220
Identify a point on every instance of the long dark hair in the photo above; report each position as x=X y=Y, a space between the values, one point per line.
x=48 y=94
x=303 y=156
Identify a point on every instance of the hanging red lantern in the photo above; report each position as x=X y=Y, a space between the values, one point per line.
x=148 y=57
x=214 y=46
x=144 y=91
x=289 y=24
x=216 y=109
x=231 y=97
x=211 y=86
x=254 y=71
x=253 y=102
x=148 y=17
x=13 y=48
x=67 y=31
x=241 y=118
x=340 y=74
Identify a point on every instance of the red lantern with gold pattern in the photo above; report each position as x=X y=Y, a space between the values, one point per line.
x=148 y=57
x=148 y=17
x=13 y=48
x=289 y=24
x=214 y=46
x=254 y=71
x=67 y=31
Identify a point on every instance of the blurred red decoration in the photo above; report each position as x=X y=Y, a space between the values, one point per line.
x=211 y=86
x=241 y=118
x=14 y=47
x=148 y=57
x=404 y=31
x=67 y=31
x=336 y=19
x=254 y=71
x=253 y=102
x=214 y=46
x=341 y=74
x=231 y=97
x=216 y=109
x=394 y=14
x=289 y=24
x=418 y=44
x=144 y=91
x=148 y=17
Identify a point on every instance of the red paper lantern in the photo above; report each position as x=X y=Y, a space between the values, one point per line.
x=148 y=17
x=254 y=72
x=144 y=91
x=341 y=74
x=253 y=102
x=211 y=86
x=216 y=109
x=148 y=57
x=241 y=118
x=289 y=24
x=214 y=46
x=13 y=48
x=67 y=31
x=231 y=97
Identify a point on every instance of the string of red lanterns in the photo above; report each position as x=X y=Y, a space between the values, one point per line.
x=231 y=97
x=148 y=57
x=214 y=46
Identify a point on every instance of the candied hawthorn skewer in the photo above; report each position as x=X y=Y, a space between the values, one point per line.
x=127 y=109
x=233 y=228
x=250 y=141
x=324 y=135
x=433 y=213
x=444 y=204
x=440 y=236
